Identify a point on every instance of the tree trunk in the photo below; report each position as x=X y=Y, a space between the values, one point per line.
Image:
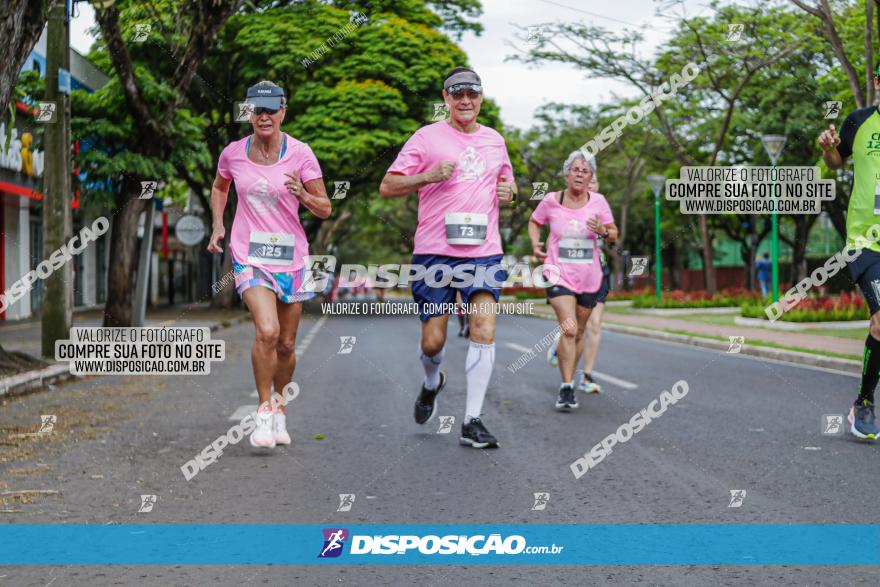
x=677 y=265
x=21 y=23
x=124 y=256
x=748 y=256
x=822 y=11
x=708 y=265
x=802 y=227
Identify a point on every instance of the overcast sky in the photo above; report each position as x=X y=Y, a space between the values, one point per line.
x=518 y=89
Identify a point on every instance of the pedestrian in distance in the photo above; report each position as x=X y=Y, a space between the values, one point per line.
x=763 y=269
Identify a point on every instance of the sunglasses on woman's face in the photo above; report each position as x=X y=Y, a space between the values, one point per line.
x=269 y=111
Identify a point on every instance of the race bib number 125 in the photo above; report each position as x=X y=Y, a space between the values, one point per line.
x=270 y=248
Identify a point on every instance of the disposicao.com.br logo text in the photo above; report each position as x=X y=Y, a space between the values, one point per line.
x=480 y=544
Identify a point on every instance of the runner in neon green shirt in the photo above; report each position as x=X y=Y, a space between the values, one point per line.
x=859 y=139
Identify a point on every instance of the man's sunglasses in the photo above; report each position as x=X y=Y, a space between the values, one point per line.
x=459 y=95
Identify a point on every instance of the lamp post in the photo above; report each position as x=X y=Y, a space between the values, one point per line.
x=774 y=144
x=657 y=182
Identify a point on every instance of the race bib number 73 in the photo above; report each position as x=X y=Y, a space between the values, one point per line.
x=466 y=228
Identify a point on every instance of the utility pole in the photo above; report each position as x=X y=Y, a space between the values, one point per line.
x=657 y=183
x=57 y=222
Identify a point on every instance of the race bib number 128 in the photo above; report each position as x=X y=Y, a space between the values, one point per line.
x=576 y=250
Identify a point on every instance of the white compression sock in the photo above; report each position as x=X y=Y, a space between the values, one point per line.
x=432 y=368
x=478 y=368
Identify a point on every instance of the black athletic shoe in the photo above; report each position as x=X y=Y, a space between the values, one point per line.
x=566 y=400
x=475 y=434
x=426 y=403
x=862 y=421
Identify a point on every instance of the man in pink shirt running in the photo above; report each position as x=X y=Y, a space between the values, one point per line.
x=461 y=171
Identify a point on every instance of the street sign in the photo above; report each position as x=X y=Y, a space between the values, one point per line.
x=63 y=81
x=190 y=230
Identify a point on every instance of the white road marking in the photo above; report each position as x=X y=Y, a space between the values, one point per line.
x=596 y=374
x=243 y=411
x=519 y=347
x=614 y=380
x=240 y=414
x=305 y=342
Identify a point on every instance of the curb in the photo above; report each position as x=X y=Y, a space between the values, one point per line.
x=686 y=311
x=796 y=357
x=60 y=372
x=232 y=322
x=30 y=380
x=786 y=356
x=795 y=326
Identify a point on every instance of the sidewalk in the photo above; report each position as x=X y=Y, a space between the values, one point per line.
x=25 y=336
x=828 y=344
x=810 y=348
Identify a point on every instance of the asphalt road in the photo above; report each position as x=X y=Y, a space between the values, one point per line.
x=746 y=424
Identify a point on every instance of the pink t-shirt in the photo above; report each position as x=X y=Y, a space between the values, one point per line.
x=457 y=217
x=266 y=232
x=572 y=245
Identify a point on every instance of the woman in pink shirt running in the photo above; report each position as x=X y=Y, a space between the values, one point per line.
x=274 y=174
x=577 y=218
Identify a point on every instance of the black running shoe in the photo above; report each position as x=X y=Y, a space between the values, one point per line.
x=862 y=421
x=566 y=400
x=475 y=434
x=426 y=403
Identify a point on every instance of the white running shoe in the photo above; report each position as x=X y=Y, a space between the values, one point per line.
x=551 y=352
x=279 y=427
x=587 y=385
x=262 y=436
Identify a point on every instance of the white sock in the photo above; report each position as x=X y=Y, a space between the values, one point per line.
x=569 y=384
x=432 y=368
x=478 y=369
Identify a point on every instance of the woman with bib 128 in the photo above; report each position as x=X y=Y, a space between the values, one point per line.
x=577 y=218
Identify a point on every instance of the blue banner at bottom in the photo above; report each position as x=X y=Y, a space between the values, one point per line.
x=604 y=544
